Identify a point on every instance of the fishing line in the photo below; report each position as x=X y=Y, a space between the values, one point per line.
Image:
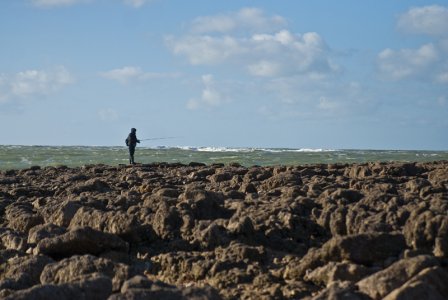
x=161 y=138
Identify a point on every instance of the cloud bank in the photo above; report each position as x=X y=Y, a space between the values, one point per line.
x=254 y=41
x=428 y=20
x=33 y=83
x=429 y=62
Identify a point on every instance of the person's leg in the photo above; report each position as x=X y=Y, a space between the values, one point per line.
x=131 y=154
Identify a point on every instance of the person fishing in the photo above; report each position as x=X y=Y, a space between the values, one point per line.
x=131 y=142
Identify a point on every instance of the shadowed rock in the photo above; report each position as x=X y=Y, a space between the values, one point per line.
x=67 y=269
x=83 y=240
x=383 y=282
x=84 y=288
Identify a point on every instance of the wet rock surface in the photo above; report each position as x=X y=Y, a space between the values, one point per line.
x=174 y=231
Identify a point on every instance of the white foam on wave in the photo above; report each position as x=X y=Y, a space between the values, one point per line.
x=245 y=150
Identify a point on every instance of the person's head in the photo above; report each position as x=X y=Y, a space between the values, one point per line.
x=133 y=130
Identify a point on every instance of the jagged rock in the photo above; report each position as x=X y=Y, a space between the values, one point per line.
x=241 y=226
x=22 y=272
x=21 y=217
x=358 y=172
x=84 y=240
x=205 y=205
x=220 y=177
x=438 y=176
x=338 y=271
x=340 y=291
x=167 y=221
x=40 y=232
x=430 y=283
x=383 y=282
x=140 y=287
x=422 y=229
x=85 y=288
x=281 y=180
x=64 y=213
x=126 y=226
x=361 y=249
x=212 y=236
x=11 y=239
x=65 y=270
x=92 y=185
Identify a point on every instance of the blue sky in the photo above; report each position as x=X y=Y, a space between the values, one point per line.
x=300 y=74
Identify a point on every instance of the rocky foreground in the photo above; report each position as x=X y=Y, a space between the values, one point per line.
x=172 y=231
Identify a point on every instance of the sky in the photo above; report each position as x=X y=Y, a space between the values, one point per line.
x=344 y=74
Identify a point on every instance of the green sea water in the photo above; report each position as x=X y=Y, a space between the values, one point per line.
x=19 y=157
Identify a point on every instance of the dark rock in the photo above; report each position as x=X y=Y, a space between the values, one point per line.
x=22 y=272
x=22 y=217
x=338 y=271
x=383 y=282
x=126 y=226
x=64 y=213
x=67 y=269
x=142 y=288
x=167 y=221
x=11 y=239
x=92 y=185
x=422 y=229
x=205 y=205
x=365 y=249
x=430 y=283
x=281 y=180
x=84 y=240
x=84 y=288
x=40 y=232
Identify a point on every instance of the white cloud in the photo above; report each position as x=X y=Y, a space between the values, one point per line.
x=430 y=20
x=206 y=49
x=430 y=61
x=255 y=42
x=210 y=96
x=129 y=74
x=252 y=19
x=31 y=83
x=404 y=63
x=278 y=54
x=123 y=75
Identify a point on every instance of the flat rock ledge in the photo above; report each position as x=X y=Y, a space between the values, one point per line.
x=196 y=231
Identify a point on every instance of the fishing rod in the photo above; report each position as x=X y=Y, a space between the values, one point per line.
x=161 y=138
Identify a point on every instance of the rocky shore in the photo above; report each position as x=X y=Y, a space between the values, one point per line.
x=173 y=231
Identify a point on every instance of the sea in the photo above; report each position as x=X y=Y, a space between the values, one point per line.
x=22 y=157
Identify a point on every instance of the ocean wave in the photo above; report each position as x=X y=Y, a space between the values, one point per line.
x=245 y=149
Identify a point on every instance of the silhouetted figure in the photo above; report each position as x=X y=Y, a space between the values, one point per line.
x=131 y=142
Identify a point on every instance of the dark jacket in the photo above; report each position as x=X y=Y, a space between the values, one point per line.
x=132 y=140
